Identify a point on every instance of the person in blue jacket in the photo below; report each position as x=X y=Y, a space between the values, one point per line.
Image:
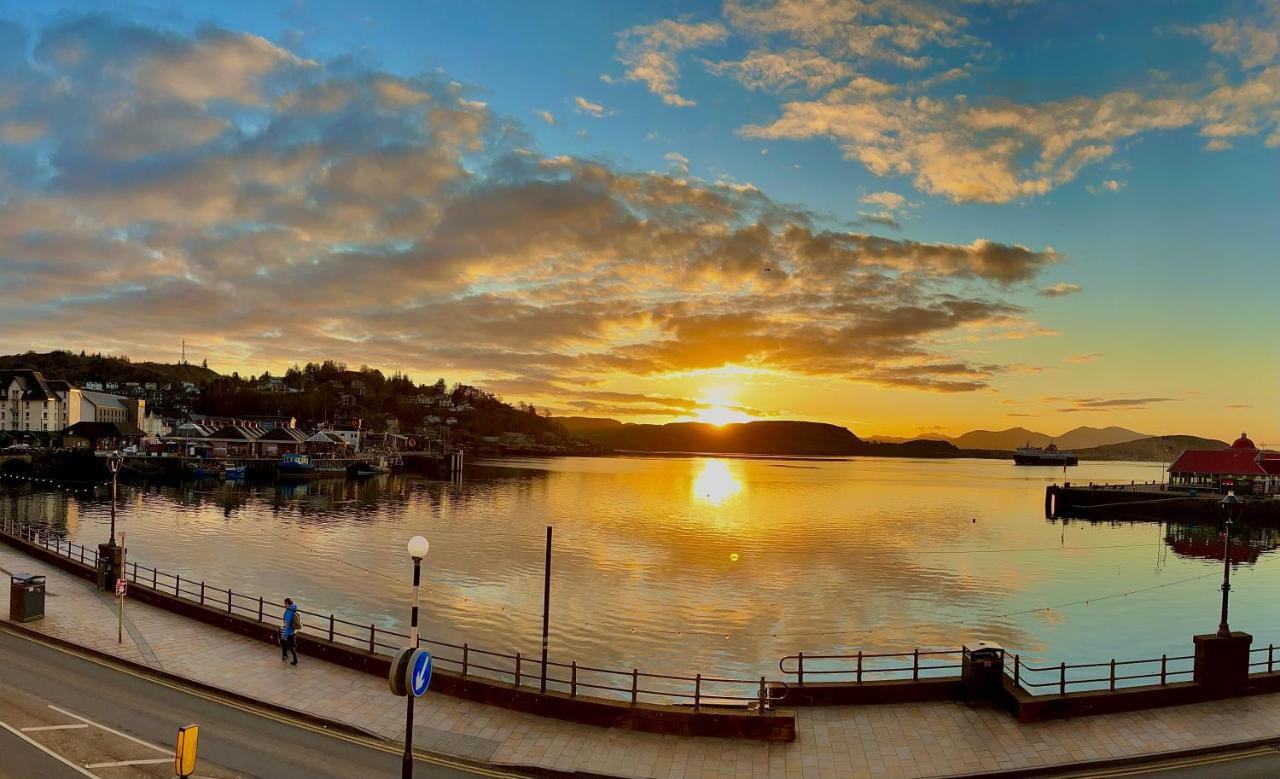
x=290 y=625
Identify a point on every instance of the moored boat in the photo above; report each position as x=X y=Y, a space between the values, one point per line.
x=1049 y=455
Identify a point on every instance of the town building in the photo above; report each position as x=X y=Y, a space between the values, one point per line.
x=32 y=403
x=1242 y=468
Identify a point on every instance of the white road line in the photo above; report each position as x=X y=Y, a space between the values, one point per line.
x=146 y=744
x=48 y=751
x=130 y=762
x=39 y=728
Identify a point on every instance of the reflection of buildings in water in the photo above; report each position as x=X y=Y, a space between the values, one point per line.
x=1205 y=542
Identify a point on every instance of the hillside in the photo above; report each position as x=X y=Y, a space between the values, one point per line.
x=1014 y=437
x=776 y=438
x=79 y=368
x=1165 y=448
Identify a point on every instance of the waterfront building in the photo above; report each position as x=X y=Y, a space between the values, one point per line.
x=281 y=440
x=101 y=436
x=32 y=403
x=1242 y=467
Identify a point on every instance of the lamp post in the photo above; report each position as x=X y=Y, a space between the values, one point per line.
x=418 y=547
x=113 y=463
x=1230 y=506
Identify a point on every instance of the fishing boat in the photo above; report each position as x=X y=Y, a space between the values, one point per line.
x=299 y=467
x=1049 y=455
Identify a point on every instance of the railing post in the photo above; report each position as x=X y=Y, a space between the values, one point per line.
x=800 y=668
x=697 y=691
x=228 y=600
x=155 y=574
x=517 y=669
x=1113 y=674
x=330 y=628
x=177 y=585
x=82 y=554
x=915 y=664
x=1062 y=681
x=260 y=608
x=1017 y=670
x=373 y=638
x=859 y=666
x=465 y=651
x=764 y=696
x=635 y=685
x=1164 y=663
x=202 y=592
x=573 y=678
x=1271 y=653
x=135 y=573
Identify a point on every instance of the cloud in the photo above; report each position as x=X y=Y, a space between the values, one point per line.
x=766 y=70
x=1108 y=185
x=1080 y=359
x=1061 y=289
x=1107 y=404
x=649 y=53
x=1252 y=45
x=333 y=210
x=585 y=106
x=679 y=162
x=891 y=201
x=1239 y=405
x=547 y=116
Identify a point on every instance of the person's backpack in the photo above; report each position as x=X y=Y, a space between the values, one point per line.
x=296 y=621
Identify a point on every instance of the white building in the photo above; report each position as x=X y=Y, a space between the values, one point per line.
x=32 y=403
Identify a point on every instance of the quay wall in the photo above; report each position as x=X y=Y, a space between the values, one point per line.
x=729 y=722
x=1102 y=502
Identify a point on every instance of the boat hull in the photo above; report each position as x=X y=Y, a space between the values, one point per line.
x=1033 y=459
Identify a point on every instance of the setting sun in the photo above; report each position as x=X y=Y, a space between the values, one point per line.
x=720 y=415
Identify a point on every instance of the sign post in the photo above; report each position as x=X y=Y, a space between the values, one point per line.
x=184 y=754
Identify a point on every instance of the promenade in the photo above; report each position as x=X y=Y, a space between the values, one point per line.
x=905 y=740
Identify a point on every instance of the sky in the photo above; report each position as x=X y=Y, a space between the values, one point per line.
x=895 y=215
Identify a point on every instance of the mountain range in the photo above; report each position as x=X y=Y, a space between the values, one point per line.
x=1014 y=437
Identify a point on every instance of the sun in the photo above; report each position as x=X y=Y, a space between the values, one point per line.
x=720 y=415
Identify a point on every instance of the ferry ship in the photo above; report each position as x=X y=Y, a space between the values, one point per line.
x=1049 y=455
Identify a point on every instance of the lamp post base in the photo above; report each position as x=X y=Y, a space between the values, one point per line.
x=1222 y=662
x=110 y=561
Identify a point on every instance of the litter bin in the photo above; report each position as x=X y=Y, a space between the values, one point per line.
x=982 y=672
x=26 y=597
x=110 y=559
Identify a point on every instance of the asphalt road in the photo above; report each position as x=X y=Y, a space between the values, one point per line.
x=107 y=722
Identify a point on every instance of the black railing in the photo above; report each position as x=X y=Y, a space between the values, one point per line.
x=868 y=666
x=1078 y=677
x=631 y=685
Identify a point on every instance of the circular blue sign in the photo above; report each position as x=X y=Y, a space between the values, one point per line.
x=419 y=673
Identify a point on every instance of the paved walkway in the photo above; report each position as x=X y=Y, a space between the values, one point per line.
x=909 y=740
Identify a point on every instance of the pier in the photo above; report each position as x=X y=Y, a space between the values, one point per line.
x=1151 y=501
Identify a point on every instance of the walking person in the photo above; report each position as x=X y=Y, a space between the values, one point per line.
x=290 y=625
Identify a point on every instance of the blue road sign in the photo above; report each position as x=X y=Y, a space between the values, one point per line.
x=419 y=673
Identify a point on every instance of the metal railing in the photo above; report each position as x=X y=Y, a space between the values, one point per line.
x=1266 y=663
x=629 y=685
x=870 y=666
x=1078 y=677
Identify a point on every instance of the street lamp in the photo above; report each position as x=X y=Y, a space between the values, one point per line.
x=1230 y=507
x=113 y=463
x=417 y=547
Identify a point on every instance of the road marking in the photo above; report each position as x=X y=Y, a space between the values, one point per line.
x=130 y=762
x=146 y=744
x=54 y=727
x=369 y=742
x=47 y=751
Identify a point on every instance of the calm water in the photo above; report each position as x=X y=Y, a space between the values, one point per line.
x=701 y=564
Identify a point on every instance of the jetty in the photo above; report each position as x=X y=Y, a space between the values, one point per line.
x=1152 y=501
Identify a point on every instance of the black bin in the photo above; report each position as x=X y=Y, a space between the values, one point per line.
x=26 y=597
x=982 y=672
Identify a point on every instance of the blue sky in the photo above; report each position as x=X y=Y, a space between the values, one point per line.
x=1129 y=149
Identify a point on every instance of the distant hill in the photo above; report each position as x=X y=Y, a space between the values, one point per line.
x=776 y=438
x=1014 y=437
x=1151 y=449
x=79 y=368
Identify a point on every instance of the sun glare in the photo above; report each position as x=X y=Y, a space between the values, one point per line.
x=720 y=415
x=716 y=483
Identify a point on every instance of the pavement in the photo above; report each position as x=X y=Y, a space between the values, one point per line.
x=893 y=741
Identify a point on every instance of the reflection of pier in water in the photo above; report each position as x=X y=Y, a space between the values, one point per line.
x=1199 y=541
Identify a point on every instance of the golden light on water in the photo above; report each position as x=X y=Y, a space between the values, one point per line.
x=716 y=483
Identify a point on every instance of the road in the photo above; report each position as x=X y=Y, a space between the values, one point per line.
x=1260 y=763
x=65 y=716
